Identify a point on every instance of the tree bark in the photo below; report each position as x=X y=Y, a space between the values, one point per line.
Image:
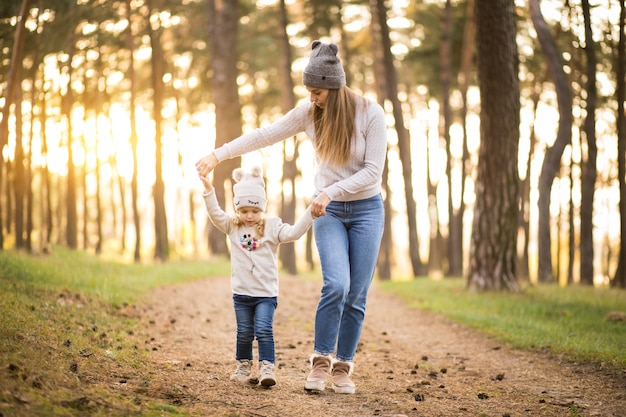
x=287 y=251
x=223 y=18
x=71 y=226
x=130 y=45
x=14 y=67
x=454 y=241
x=18 y=170
x=619 y=280
x=467 y=59
x=494 y=233
x=404 y=143
x=552 y=158
x=589 y=164
x=161 y=244
x=383 y=263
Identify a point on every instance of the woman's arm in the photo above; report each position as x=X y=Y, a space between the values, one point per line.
x=287 y=126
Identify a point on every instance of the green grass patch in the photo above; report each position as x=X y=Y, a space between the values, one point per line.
x=581 y=323
x=67 y=344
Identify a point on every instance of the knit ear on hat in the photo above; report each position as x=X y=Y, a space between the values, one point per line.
x=256 y=171
x=238 y=174
x=333 y=48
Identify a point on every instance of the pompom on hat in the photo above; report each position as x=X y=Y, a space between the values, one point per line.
x=249 y=189
x=324 y=69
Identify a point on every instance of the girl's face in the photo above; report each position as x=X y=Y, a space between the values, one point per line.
x=249 y=215
x=318 y=96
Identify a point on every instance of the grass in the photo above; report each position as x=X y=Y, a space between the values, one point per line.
x=67 y=346
x=573 y=321
x=112 y=282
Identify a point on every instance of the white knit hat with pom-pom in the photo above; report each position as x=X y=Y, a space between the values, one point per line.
x=249 y=189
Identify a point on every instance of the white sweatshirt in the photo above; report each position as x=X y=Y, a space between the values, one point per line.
x=254 y=268
x=359 y=179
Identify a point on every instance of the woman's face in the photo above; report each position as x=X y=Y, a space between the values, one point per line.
x=318 y=96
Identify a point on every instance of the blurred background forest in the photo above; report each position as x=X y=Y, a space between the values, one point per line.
x=107 y=105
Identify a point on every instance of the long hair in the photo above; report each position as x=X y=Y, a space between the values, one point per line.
x=334 y=126
x=259 y=227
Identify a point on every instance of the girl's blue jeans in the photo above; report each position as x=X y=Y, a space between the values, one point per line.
x=255 y=318
x=348 y=239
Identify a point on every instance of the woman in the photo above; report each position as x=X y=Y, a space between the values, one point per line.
x=349 y=136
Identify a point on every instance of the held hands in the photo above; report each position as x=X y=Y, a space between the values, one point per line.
x=204 y=167
x=318 y=206
x=206 y=164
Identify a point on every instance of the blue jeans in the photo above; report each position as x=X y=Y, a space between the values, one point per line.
x=255 y=318
x=348 y=239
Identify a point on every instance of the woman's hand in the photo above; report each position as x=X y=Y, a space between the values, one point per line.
x=205 y=165
x=318 y=206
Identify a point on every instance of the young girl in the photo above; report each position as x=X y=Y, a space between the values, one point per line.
x=254 y=243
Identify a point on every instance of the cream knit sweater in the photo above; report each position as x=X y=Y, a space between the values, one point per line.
x=255 y=272
x=357 y=180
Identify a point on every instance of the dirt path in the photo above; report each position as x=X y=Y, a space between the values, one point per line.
x=409 y=363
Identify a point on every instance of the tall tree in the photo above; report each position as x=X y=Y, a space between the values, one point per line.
x=18 y=169
x=130 y=46
x=523 y=269
x=71 y=225
x=494 y=233
x=588 y=180
x=161 y=249
x=12 y=79
x=222 y=33
x=404 y=142
x=619 y=280
x=383 y=265
x=287 y=251
x=552 y=159
x=465 y=72
x=455 y=223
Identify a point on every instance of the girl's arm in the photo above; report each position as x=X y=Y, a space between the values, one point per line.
x=218 y=217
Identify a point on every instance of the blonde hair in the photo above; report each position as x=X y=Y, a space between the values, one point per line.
x=259 y=227
x=334 y=126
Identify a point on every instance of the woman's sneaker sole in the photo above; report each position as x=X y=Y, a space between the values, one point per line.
x=344 y=390
x=314 y=386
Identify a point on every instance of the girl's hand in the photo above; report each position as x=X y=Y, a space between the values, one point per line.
x=205 y=165
x=207 y=184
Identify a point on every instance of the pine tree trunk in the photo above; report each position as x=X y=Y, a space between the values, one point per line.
x=161 y=249
x=494 y=234
x=404 y=142
x=11 y=80
x=552 y=158
x=287 y=251
x=619 y=280
x=130 y=45
x=223 y=19
x=589 y=164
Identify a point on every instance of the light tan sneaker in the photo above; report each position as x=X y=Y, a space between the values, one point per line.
x=340 y=377
x=266 y=374
x=320 y=370
x=242 y=374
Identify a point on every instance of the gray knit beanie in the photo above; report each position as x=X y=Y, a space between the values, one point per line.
x=324 y=69
x=249 y=189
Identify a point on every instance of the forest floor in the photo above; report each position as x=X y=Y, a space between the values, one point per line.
x=409 y=363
